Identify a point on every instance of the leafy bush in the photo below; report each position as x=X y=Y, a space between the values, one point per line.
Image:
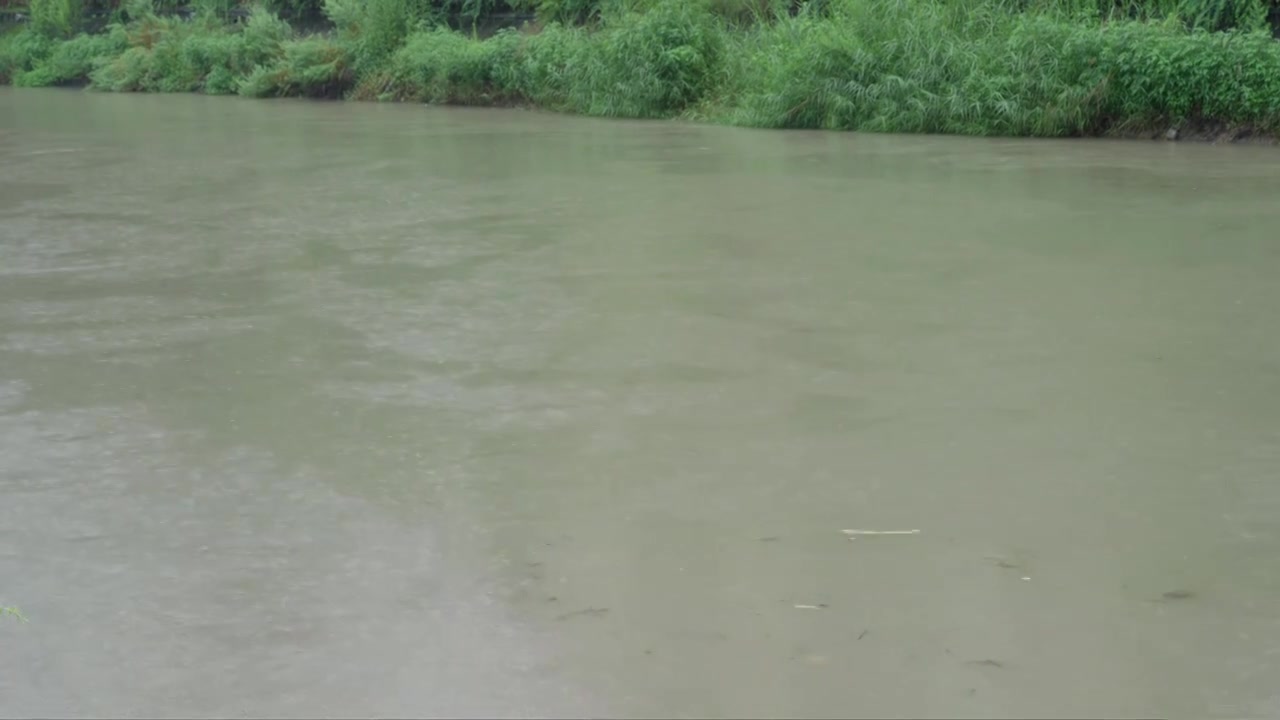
x=919 y=66
x=56 y=18
x=22 y=50
x=588 y=11
x=374 y=29
x=1197 y=14
x=71 y=62
x=985 y=67
x=171 y=55
x=1161 y=75
x=548 y=65
x=651 y=64
x=310 y=67
x=874 y=65
x=442 y=66
x=165 y=55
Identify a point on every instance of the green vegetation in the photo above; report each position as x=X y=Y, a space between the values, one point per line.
x=982 y=67
x=12 y=612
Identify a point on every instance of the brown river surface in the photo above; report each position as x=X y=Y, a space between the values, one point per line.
x=354 y=409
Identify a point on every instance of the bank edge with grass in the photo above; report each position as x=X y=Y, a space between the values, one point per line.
x=974 y=67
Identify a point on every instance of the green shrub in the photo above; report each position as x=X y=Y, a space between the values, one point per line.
x=441 y=66
x=1197 y=14
x=71 y=62
x=374 y=29
x=172 y=55
x=56 y=18
x=547 y=65
x=261 y=39
x=1161 y=75
x=164 y=55
x=651 y=64
x=20 y=51
x=984 y=67
x=310 y=67
x=873 y=65
x=587 y=11
x=919 y=66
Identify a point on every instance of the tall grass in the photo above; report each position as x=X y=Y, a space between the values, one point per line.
x=968 y=67
x=442 y=66
x=71 y=62
x=651 y=64
x=199 y=55
x=982 y=67
x=56 y=18
x=306 y=67
x=374 y=29
x=920 y=66
x=1195 y=14
x=22 y=51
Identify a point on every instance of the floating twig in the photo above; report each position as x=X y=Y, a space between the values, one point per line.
x=596 y=611
x=857 y=533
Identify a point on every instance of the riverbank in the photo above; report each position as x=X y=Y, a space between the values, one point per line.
x=972 y=67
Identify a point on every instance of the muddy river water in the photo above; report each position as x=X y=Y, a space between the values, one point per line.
x=354 y=409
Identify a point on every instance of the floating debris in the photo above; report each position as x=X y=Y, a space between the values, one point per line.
x=595 y=611
x=1177 y=595
x=819 y=606
x=860 y=533
x=13 y=612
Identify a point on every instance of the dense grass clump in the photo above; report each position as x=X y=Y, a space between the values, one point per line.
x=651 y=64
x=919 y=66
x=308 y=67
x=71 y=62
x=200 y=55
x=442 y=66
x=20 y=52
x=972 y=68
x=1157 y=74
x=979 y=67
x=1192 y=14
x=56 y=18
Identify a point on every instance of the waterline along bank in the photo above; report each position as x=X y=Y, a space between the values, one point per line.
x=974 y=67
